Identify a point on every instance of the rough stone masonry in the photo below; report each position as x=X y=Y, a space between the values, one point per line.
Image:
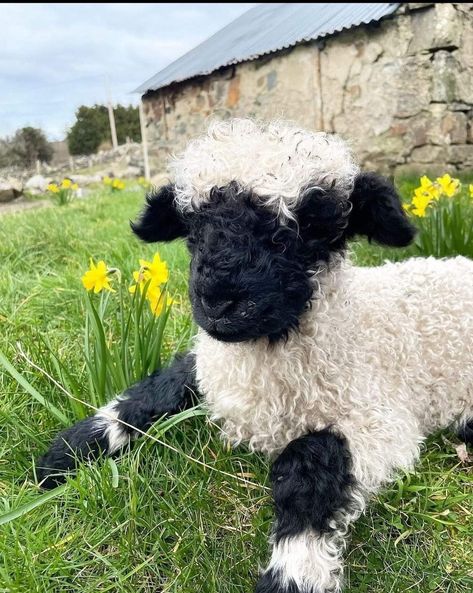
x=400 y=90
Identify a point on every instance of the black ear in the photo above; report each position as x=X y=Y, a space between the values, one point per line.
x=160 y=219
x=377 y=212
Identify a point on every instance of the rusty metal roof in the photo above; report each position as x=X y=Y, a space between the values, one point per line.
x=264 y=29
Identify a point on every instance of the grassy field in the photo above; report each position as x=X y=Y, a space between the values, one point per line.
x=176 y=518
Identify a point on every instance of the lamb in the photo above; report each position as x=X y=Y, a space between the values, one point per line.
x=338 y=373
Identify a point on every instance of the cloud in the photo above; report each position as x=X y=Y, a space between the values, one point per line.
x=56 y=57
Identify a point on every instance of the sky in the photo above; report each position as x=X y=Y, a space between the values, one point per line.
x=55 y=57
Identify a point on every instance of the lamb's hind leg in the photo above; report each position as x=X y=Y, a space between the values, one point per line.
x=164 y=392
x=315 y=497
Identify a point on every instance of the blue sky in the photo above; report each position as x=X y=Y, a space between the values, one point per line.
x=55 y=57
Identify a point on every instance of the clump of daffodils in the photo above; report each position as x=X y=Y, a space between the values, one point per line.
x=444 y=215
x=114 y=183
x=149 y=281
x=124 y=325
x=64 y=191
x=429 y=193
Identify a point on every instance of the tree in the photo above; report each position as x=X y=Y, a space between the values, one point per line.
x=127 y=120
x=27 y=146
x=92 y=127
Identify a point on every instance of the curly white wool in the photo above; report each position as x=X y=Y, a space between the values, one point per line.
x=275 y=160
x=385 y=356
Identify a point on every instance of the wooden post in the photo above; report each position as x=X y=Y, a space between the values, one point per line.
x=144 y=141
x=111 y=117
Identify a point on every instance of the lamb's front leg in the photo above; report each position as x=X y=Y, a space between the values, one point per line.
x=164 y=393
x=315 y=497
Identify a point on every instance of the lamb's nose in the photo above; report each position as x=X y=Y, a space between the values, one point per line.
x=215 y=308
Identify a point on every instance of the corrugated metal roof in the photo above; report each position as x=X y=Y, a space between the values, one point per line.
x=264 y=29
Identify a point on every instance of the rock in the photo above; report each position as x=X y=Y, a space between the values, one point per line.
x=427 y=154
x=445 y=77
x=461 y=154
x=454 y=127
x=10 y=189
x=37 y=183
x=434 y=28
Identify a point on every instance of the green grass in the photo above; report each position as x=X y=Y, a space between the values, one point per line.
x=161 y=520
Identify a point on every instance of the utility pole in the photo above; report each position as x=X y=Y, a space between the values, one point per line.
x=144 y=140
x=111 y=117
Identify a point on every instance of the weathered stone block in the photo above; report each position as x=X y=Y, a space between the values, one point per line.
x=445 y=73
x=461 y=154
x=454 y=127
x=436 y=27
x=428 y=154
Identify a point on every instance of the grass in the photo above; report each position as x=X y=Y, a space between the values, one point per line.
x=168 y=517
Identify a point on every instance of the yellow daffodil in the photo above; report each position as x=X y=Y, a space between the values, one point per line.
x=448 y=185
x=118 y=184
x=156 y=299
x=155 y=270
x=75 y=186
x=140 y=281
x=96 y=277
x=470 y=189
x=420 y=202
x=429 y=187
x=66 y=183
x=107 y=180
x=52 y=187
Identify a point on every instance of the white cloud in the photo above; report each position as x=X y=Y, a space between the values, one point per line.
x=56 y=57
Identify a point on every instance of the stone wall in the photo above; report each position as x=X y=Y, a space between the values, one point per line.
x=401 y=90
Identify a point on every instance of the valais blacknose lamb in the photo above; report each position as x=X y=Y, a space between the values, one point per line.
x=337 y=372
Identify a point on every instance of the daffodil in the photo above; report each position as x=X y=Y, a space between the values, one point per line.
x=140 y=281
x=75 y=186
x=449 y=185
x=52 y=187
x=156 y=270
x=107 y=180
x=427 y=188
x=118 y=184
x=420 y=201
x=66 y=183
x=96 y=277
x=156 y=299
x=470 y=189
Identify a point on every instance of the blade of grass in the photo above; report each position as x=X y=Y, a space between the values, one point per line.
x=31 y=390
x=37 y=502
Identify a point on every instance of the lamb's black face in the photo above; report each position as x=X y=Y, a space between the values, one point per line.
x=250 y=274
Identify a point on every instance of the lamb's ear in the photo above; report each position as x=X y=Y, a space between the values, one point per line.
x=160 y=219
x=378 y=213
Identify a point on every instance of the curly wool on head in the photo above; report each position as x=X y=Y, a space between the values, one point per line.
x=275 y=160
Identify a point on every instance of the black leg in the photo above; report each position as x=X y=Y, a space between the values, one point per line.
x=315 y=498
x=165 y=392
x=465 y=432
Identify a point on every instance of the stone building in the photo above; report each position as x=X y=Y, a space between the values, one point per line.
x=394 y=79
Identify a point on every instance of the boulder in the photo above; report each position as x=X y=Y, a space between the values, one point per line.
x=37 y=184
x=10 y=188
